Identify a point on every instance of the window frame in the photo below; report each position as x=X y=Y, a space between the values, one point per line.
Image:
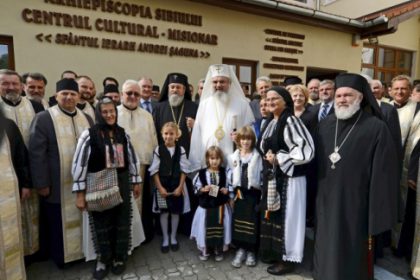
x=8 y=41
x=393 y=71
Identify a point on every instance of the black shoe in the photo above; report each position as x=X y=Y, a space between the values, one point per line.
x=281 y=268
x=100 y=274
x=175 y=247
x=118 y=269
x=164 y=249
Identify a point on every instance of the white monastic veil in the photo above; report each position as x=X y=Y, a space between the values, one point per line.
x=236 y=94
x=235 y=90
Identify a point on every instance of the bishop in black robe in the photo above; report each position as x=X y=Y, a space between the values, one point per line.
x=164 y=112
x=358 y=197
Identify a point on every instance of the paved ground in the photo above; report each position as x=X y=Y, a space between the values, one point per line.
x=147 y=262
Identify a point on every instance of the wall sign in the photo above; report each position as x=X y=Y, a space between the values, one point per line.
x=136 y=23
x=288 y=44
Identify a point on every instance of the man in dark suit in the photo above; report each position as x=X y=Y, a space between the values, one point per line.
x=146 y=102
x=261 y=122
x=390 y=114
x=262 y=84
x=326 y=94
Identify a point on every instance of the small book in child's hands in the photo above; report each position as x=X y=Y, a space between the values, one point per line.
x=214 y=190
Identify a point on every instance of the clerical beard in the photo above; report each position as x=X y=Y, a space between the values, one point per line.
x=13 y=96
x=343 y=113
x=175 y=100
x=35 y=98
x=221 y=97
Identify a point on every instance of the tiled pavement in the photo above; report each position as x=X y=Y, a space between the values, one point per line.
x=147 y=262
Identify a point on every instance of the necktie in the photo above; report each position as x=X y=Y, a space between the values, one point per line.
x=147 y=106
x=324 y=112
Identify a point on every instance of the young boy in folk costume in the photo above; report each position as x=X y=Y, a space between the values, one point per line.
x=246 y=166
x=168 y=170
x=211 y=227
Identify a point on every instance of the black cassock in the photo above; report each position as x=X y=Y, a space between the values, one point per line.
x=356 y=199
x=163 y=114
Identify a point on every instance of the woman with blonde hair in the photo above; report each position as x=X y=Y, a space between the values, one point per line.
x=300 y=95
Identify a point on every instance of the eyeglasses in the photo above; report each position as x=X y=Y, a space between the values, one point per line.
x=130 y=93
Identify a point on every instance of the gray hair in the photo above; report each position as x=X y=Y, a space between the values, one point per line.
x=10 y=73
x=326 y=82
x=373 y=81
x=145 y=79
x=130 y=83
x=263 y=79
x=313 y=80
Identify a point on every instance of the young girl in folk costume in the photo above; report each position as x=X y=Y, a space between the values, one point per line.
x=168 y=170
x=246 y=165
x=211 y=226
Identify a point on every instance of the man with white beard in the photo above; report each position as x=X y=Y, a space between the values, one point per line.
x=223 y=110
x=175 y=105
x=357 y=176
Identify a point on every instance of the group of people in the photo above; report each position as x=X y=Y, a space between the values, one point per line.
x=85 y=177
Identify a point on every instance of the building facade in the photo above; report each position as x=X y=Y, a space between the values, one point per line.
x=127 y=39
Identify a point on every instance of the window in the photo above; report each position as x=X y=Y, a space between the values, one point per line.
x=245 y=70
x=384 y=63
x=7 y=59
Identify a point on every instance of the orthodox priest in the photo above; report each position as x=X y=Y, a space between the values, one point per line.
x=52 y=142
x=86 y=91
x=138 y=124
x=22 y=111
x=175 y=105
x=409 y=117
x=14 y=177
x=223 y=109
x=357 y=178
x=414 y=182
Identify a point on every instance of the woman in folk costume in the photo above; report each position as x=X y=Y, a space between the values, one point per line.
x=106 y=149
x=168 y=170
x=246 y=165
x=286 y=145
x=211 y=227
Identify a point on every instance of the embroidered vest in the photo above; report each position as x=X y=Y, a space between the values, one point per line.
x=206 y=201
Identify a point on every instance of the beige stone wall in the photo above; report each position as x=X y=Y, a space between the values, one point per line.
x=240 y=36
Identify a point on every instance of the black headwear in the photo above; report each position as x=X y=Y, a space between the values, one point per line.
x=110 y=79
x=110 y=88
x=178 y=78
x=292 y=80
x=155 y=88
x=67 y=84
x=101 y=130
x=359 y=83
x=286 y=97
